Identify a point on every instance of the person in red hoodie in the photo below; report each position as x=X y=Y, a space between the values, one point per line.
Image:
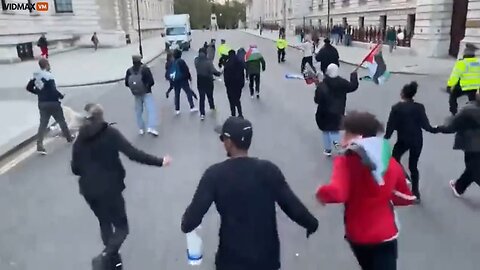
x=369 y=182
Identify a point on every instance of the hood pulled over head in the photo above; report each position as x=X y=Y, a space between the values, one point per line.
x=375 y=153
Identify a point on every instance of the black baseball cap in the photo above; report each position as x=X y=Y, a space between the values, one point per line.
x=238 y=130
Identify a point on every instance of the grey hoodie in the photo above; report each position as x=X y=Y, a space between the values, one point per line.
x=205 y=67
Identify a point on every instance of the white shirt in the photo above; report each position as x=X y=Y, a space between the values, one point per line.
x=307 y=48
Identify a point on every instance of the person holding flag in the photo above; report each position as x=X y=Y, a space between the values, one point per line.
x=465 y=78
x=223 y=50
x=376 y=66
x=281 y=47
x=255 y=64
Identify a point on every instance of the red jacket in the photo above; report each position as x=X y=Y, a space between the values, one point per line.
x=369 y=213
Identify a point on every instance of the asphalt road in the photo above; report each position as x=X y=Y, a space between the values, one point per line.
x=45 y=223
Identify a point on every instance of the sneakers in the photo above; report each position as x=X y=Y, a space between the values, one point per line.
x=105 y=262
x=454 y=189
x=141 y=132
x=71 y=139
x=116 y=262
x=41 y=150
x=327 y=153
x=153 y=132
x=252 y=97
x=100 y=262
x=192 y=110
x=258 y=96
x=177 y=112
x=202 y=117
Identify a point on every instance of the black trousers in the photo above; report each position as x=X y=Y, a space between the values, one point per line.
x=205 y=89
x=234 y=96
x=185 y=85
x=305 y=61
x=254 y=83
x=381 y=256
x=457 y=92
x=281 y=55
x=112 y=217
x=47 y=110
x=415 y=149
x=471 y=173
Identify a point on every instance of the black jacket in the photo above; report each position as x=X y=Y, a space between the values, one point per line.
x=184 y=70
x=147 y=77
x=466 y=125
x=408 y=118
x=326 y=56
x=43 y=85
x=42 y=42
x=234 y=74
x=331 y=97
x=245 y=192
x=96 y=159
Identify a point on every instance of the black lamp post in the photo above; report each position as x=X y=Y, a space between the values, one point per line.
x=328 y=16
x=139 y=31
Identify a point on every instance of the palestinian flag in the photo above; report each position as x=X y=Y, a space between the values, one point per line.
x=253 y=54
x=376 y=66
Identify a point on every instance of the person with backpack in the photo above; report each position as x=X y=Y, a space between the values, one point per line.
x=180 y=75
x=43 y=85
x=96 y=161
x=140 y=80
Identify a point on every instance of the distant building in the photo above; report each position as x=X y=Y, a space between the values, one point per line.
x=439 y=28
x=71 y=23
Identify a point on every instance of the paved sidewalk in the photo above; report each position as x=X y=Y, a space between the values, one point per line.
x=398 y=62
x=83 y=66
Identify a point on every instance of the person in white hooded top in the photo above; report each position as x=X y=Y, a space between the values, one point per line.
x=331 y=97
x=308 y=50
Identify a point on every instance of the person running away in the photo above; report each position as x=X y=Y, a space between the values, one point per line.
x=255 y=65
x=466 y=126
x=408 y=118
x=234 y=77
x=308 y=50
x=96 y=160
x=168 y=65
x=245 y=191
x=327 y=55
x=205 y=72
x=331 y=98
x=368 y=187
x=181 y=77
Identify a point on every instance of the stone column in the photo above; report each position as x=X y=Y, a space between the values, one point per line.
x=472 y=30
x=432 y=28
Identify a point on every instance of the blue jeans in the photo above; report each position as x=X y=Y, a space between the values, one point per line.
x=330 y=138
x=148 y=103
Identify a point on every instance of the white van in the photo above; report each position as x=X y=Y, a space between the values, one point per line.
x=178 y=31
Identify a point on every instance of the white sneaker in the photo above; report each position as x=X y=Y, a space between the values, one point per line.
x=252 y=97
x=141 y=132
x=193 y=110
x=202 y=117
x=454 y=189
x=153 y=132
x=177 y=112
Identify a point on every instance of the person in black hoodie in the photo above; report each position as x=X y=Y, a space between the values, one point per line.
x=245 y=191
x=234 y=76
x=43 y=85
x=408 y=118
x=95 y=159
x=181 y=77
x=466 y=126
x=205 y=72
x=331 y=97
x=327 y=55
x=168 y=64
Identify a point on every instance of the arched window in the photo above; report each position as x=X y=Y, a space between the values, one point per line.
x=63 y=6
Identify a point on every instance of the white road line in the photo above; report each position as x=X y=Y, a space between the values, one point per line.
x=24 y=155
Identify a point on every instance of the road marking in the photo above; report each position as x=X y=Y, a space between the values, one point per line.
x=24 y=155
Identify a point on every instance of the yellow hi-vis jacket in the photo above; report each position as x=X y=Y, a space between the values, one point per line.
x=281 y=43
x=466 y=70
x=223 y=49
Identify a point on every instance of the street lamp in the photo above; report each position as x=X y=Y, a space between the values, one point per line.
x=139 y=31
x=328 y=16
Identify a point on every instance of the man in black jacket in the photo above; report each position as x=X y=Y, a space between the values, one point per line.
x=96 y=160
x=245 y=191
x=234 y=77
x=181 y=77
x=43 y=85
x=466 y=126
x=327 y=55
x=139 y=79
x=205 y=72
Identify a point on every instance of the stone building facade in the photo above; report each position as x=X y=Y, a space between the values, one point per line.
x=70 y=24
x=439 y=27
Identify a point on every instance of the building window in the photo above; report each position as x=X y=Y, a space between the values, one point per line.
x=63 y=6
x=361 y=22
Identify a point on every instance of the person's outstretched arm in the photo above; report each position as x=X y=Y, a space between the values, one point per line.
x=133 y=153
x=391 y=124
x=425 y=122
x=337 y=191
